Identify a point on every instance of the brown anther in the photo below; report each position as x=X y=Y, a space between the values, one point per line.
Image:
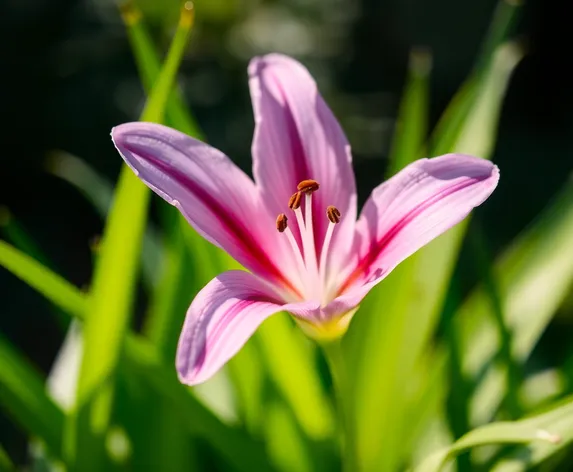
x=333 y=214
x=281 y=222
x=294 y=201
x=308 y=186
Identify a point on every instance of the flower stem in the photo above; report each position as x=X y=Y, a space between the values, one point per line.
x=337 y=366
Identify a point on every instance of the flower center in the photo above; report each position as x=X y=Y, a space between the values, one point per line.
x=310 y=267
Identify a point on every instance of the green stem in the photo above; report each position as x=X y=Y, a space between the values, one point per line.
x=337 y=366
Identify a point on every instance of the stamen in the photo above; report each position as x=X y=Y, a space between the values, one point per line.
x=282 y=227
x=294 y=201
x=308 y=243
x=308 y=186
x=281 y=223
x=298 y=256
x=333 y=214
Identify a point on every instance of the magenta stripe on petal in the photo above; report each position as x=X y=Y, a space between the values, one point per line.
x=415 y=206
x=221 y=319
x=244 y=236
x=219 y=200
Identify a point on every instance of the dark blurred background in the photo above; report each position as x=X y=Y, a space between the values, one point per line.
x=67 y=76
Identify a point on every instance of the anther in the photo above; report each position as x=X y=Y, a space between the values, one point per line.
x=282 y=222
x=333 y=214
x=294 y=201
x=308 y=186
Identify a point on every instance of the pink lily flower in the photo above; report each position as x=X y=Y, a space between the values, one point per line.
x=315 y=260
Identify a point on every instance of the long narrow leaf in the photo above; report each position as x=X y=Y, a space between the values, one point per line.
x=534 y=276
x=397 y=319
x=6 y=464
x=113 y=287
x=412 y=122
x=55 y=288
x=289 y=361
x=24 y=398
x=452 y=122
x=149 y=64
x=232 y=444
x=141 y=357
x=99 y=192
x=545 y=428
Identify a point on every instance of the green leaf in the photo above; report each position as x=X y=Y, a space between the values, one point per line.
x=285 y=442
x=141 y=357
x=232 y=444
x=533 y=277
x=397 y=319
x=544 y=431
x=52 y=286
x=99 y=192
x=454 y=120
x=478 y=134
x=560 y=422
x=16 y=234
x=6 y=464
x=23 y=396
x=112 y=293
x=248 y=376
x=290 y=363
x=149 y=66
x=412 y=122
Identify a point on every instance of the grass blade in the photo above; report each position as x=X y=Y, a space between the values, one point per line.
x=516 y=432
x=397 y=319
x=55 y=288
x=448 y=131
x=232 y=444
x=6 y=464
x=141 y=357
x=99 y=192
x=113 y=288
x=177 y=115
x=295 y=375
x=560 y=422
x=534 y=276
x=412 y=123
x=23 y=396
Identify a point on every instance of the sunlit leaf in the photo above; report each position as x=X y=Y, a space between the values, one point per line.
x=99 y=192
x=545 y=428
x=113 y=287
x=450 y=127
x=287 y=448
x=232 y=444
x=397 y=319
x=55 y=288
x=289 y=360
x=141 y=357
x=533 y=276
x=412 y=122
x=149 y=65
x=559 y=421
x=24 y=398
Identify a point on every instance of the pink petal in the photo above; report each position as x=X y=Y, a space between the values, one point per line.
x=296 y=138
x=415 y=206
x=218 y=199
x=221 y=319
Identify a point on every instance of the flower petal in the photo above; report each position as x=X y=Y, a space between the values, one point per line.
x=296 y=138
x=218 y=199
x=221 y=319
x=409 y=210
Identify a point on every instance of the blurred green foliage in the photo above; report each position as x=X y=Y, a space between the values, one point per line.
x=421 y=377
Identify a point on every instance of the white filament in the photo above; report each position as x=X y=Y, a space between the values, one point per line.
x=313 y=273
